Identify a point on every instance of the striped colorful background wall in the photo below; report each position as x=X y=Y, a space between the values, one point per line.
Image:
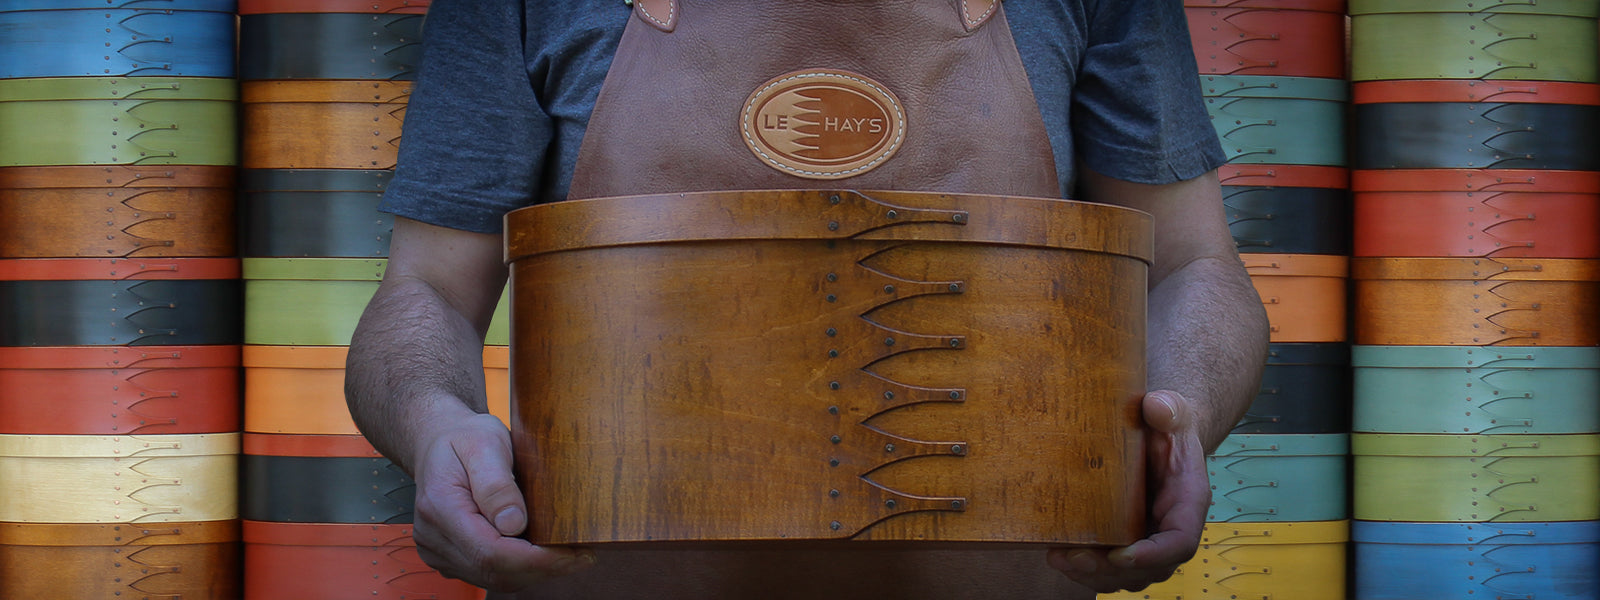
x=1477 y=210
x=188 y=233
x=1470 y=214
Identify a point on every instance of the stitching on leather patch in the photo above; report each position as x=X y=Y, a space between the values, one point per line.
x=823 y=124
x=974 y=22
x=672 y=15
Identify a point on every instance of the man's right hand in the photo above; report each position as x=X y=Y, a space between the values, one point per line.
x=469 y=510
x=414 y=382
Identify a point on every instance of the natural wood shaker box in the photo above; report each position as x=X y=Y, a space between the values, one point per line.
x=759 y=366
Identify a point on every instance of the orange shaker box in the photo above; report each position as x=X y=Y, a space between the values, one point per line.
x=314 y=124
x=116 y=211
x=300 y=389
x=1477 y=301
x=198 y=559
x=1304 y=294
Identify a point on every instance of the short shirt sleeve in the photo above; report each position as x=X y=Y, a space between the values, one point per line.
x=1137 y=112
x=475 y=137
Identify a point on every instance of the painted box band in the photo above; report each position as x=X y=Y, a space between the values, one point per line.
x=318 y=301
x=83 y=38
x=145 y=479
x=1487 y=135
x=1549 y=40
x=1275 y=477
x=1476 y=560
x=327 y=561
x=330 y=46
x=324 y=489
x=86 y=390
x=117 y=212
x=1469 y=390
x=1304 y=561
x=308 y=124
x=329 y=213
x=1288 y=220
x=1476 y=301
x=198 y=559
x=1477 y=213
x=119 y=121
x=1304 y=294
x=300 y=389
x=119 y=302
x=1292 y=41
x=1498 y=478
x=1278 y=120
x=1305 y=388
x=257 y=7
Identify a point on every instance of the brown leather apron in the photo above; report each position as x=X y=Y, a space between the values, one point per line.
x=681 y=109
x=917 y=95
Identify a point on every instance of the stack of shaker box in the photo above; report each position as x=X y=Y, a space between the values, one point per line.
x=119 y=300
x=1474 y=227
x=324 y=91
x=1477 y=281
x=1272 y=73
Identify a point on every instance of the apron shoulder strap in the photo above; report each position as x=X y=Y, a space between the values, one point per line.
x=660 y=14
x=974 y=13
x=663 y=14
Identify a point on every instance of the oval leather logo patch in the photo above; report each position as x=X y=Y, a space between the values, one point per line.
x=823 y=124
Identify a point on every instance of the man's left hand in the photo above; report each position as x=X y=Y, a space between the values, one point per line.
x=1181 y=494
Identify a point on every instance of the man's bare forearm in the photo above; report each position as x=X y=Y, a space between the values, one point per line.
x=1208 y=340
x=415 y=386
x=1207 y=331
x=414 y=361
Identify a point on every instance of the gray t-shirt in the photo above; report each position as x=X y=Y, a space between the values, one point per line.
x=506 y=88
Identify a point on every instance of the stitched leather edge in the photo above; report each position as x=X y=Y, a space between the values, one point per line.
x=973 y=22
x=660 y=14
